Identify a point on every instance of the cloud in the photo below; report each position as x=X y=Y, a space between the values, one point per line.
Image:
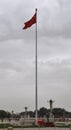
x=17 y=53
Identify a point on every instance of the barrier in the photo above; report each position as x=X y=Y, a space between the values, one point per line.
x=10 y=128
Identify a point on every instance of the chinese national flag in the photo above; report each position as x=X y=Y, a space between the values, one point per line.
x=30 y=22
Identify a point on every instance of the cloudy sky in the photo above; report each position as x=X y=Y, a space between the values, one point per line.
x=17 y=54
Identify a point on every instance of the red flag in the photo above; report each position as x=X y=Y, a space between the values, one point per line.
x=30 y=22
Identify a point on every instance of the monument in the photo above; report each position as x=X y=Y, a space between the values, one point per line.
x=51 y=116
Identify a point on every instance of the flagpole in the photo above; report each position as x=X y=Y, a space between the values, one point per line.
x=28 y=24
x=36 y=93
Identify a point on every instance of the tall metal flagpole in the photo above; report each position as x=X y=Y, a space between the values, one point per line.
x=27 y=25
x=36 y=94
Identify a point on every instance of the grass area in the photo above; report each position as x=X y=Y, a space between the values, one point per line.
x=2 y=125
x=33 y=126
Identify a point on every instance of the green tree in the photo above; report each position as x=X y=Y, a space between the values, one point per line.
x=42 y=112
x=4 y=114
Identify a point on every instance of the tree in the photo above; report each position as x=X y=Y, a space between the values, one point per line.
x=4 y=114
x=42 y=112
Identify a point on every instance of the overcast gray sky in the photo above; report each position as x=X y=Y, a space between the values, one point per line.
x=17 y=54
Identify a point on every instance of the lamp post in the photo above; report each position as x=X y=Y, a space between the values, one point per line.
x=51 y=117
